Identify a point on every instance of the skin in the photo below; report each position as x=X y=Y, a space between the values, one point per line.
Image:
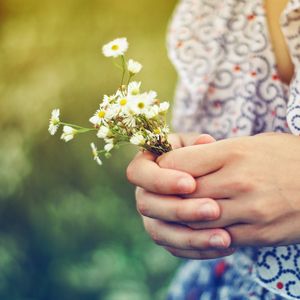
x=153 y=195
x=219 y=195
x=284 y=63
x=236 y=193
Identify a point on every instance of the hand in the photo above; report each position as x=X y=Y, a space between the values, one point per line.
x=154 y=200
x=256 y=181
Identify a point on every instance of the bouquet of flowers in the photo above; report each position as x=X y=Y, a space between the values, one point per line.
x=128 y=116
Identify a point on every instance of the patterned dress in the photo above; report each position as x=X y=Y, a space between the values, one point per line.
x=229 y=86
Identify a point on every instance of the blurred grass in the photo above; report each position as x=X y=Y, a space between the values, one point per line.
x=69 y=229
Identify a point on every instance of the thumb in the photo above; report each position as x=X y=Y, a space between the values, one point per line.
x=192 y=139
x=204 y=139
x=175 y=141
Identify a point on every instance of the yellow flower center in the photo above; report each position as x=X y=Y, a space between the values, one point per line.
x=141 y=105
x=157 y=131
x=101 y=114
x=123 y=102
x=55 y=121
x=115 y=47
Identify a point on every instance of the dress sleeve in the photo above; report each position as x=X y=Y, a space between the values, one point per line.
x=293 y=109
x=290 y=23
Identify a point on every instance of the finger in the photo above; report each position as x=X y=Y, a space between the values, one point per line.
x=215 y=185
x=175 y=141
x=204 y=139
x=194 y=254
x=189 y=139
x=224 y=183
x=196 y=160
x=232 y=211
x=175 y=209
x=244 y=235
x=256 y=235
x=144 y=172
x=182 y=237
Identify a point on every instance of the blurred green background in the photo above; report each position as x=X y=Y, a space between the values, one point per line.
x=69 y=229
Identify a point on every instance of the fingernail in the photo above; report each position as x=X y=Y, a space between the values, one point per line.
x=208 y=211
x=217 y=241
x=185 y=185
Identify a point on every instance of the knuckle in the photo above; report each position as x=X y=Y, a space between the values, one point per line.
x=239 y=236
x=237 y=151
x=192 y=242
x=130 y=172
x=242 y=184
x=200 y=215
x=175 y=140
x=142 y=206
x=157 y=182
x=259 y=213
x=179 y=214
x=174 y=252
x=264 y=236
x=157 y=240
x=151 y=228
x=167 y=161
x=258 y=235
x=138 y=192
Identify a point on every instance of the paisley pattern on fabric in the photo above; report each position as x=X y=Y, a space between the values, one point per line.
x=229 y=86
x=216 y=280
x=291 y=27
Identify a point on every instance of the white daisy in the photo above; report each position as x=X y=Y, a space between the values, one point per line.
x=134 y=88
x=115 y=48
x=137 y=139
x=108 y=147
x=103 y=132
x=112 y=111
x=118 y=94
x=152 y=112
x=109 y=141
x=134 y=67
x=54 y=121
x=152 y=96
x=163 y=107
x=106 y=101
x=122 y=102
x=99 y=117
x=140 y=104
x=68 y=133
x=96 y=154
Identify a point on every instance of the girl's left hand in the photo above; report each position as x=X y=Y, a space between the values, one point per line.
x=256 y=181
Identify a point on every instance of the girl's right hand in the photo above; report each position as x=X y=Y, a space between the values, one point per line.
x=162 y=210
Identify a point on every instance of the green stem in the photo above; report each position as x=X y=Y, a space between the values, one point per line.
x=83 y=130
x=130 y=76
x=118 y=66
x=77 y=127
x=124 y=69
